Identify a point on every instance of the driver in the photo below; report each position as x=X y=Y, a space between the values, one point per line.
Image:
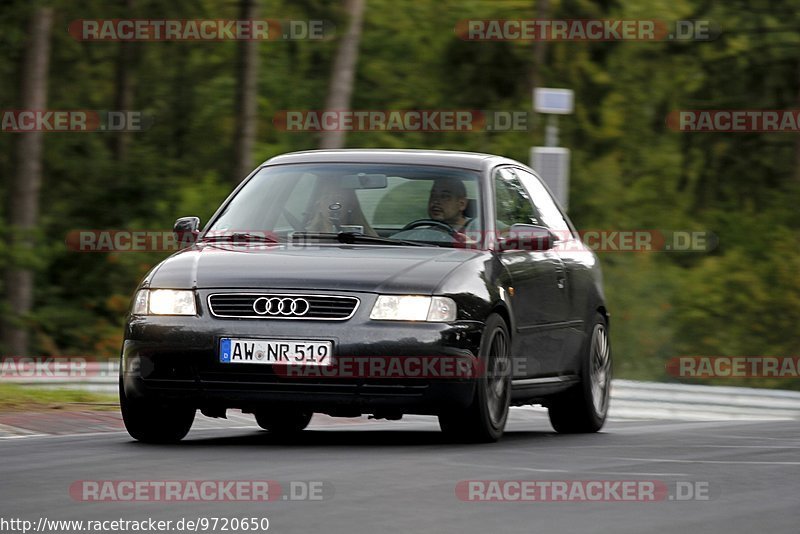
x=447 y=202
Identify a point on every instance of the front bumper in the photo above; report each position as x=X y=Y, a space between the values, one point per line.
x=176 y=359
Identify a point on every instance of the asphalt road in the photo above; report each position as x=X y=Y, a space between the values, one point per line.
x=402 y=476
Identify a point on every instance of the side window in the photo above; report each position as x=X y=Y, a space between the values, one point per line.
x=512 y=204
x=545 y=205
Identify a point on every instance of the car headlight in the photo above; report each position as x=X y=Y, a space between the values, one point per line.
x=414 y=308
x=164 y=302
x=140 y=302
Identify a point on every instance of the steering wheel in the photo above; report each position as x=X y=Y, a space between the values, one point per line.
x=430 y=222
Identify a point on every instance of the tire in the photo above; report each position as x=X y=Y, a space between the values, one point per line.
x=151 y=422
x=584 y=407
x=484 y=420
x=283 y=422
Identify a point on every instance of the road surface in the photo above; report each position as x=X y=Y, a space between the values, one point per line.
x=379 y=476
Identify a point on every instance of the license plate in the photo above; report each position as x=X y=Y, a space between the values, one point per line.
x=275 y=351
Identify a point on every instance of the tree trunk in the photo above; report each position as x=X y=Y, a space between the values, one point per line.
x=123 y=99
x=344 y=71
x=246 y=98
x=23 y=213
x=539 y=48
x=797 y=139
x=535 y=78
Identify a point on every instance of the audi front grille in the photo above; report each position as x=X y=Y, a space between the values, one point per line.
x=282 y=306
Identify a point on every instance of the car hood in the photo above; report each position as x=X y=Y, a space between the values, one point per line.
x=368 y=268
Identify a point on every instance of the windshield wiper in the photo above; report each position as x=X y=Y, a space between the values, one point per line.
x=350 y=238
x=240 y=236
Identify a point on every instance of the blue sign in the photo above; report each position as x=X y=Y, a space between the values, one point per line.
x=225 y=350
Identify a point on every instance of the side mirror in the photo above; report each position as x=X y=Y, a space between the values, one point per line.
x=186 y=230
x=527 y=237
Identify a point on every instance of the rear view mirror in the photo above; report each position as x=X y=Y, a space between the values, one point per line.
x=186 y=230
x=527 y=237
x=364 y=181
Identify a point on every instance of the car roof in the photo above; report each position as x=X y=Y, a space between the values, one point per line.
x=448 y=158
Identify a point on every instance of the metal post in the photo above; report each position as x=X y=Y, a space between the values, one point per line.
x=551 y=131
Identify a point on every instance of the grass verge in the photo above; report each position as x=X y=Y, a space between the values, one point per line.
x=14 y=397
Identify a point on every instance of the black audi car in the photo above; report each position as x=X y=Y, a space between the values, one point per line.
x=380 y=282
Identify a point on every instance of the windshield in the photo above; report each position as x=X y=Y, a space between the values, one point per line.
x=404 y=203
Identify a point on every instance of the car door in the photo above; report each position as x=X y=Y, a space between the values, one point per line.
x=576 y=262
x=538 y=300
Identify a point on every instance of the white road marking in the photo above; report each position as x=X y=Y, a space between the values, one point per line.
x=724 y=462
x=682 y=446
x=757 y=437
x=657 y=426
x=75 y=435
x=22 y=436
x=13 y=432
x=111 y=432
x=193 y=431
x=589 y=471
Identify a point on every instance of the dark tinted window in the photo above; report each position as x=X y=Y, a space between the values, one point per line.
x=512 y=204
x=546 y=207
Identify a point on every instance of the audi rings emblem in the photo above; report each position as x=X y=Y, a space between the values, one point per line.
x=281 y=306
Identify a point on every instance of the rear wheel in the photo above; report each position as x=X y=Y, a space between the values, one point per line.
x=153 y=422
x=583 y=408
x=485 y=419
x=283 y=422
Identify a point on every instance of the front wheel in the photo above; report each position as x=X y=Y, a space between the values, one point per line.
x=152 y=422
x=583 y=408
x=485 y=419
